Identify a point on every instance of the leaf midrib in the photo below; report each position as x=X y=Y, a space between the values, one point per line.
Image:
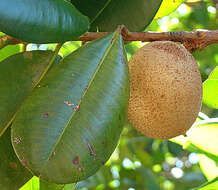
x=99 y=13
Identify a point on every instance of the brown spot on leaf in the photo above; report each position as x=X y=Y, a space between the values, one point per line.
x=6 y=179
x=17 y=140
x=13 y=165
x=92 y=153
x=76 y=108
x=69 y=103
x=76 y=160
x=23 y=162
x=45 y=115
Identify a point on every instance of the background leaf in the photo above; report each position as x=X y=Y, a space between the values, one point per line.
x=90 y=8
x=204 y=136
x=210 y=92
x=52 y=20
x=214 y=73
x=107 y=15
x=81 y=123
x=209 y=167
x=9 y=50
x=198 y=138
x=12 y=174
x=38 y=184
x=167 y=7
x=32 y=184
x=15 y=86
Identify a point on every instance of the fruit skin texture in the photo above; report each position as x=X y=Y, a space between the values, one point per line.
x=165 y=90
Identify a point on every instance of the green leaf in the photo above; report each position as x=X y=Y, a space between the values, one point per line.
x=32 y=184
x=44 y=185
x=210 y=92
x=9 y=50
x=167 y=7
x=42 y=21
x=211 y=185
x=198 y=138
x=204 y=136
x=69 y=187
x=214 y=73
x=107 y=15
x=12 y=174
x=71 y=125
x=18 y=75
x=91 y=8
x=181 y=140
x=38 y=184
x=193 y=148
x=209 y=167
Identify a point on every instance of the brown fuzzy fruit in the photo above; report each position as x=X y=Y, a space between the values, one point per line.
x=165 y=90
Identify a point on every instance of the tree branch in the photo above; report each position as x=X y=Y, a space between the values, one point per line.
x=194 y=40
x=8 y=40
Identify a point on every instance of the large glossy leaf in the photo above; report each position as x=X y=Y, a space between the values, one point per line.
x=18 y=75
x=12 y=173
x=70 y=125
x=107 y=14
x=167 y=7
x=210 y=89
x=42 y=21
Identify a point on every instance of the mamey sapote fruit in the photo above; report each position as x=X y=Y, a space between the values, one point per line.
x=165 y=90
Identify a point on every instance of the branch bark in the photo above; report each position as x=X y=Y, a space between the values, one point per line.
x=8 y=40
x=194 y=40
